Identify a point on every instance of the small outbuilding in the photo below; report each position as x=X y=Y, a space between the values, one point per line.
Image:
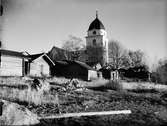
x=74 y=69
x=13 y=63
x=109 y=73
x=40 y=65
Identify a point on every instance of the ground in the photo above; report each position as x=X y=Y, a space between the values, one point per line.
x=147 y=109
x=147 y=106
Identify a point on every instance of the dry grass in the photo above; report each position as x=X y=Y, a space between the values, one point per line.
x=10 y=90
x=62 y=80
x=28 y=96
x=123 y=85
x=40 y=97
x=104 y=85
x=99 y=84
x=147 y=110
x=144 y=86
x=58 y=80
x=14 y=80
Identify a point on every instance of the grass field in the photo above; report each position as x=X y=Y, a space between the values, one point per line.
x=18 y=90
x=143 y=99
x=146 y=110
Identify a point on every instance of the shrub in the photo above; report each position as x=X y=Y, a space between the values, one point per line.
x=114 y=85
x=27 y=96
x=103 y=85
x=160 y=74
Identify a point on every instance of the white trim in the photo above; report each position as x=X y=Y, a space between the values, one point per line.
x=49 y=59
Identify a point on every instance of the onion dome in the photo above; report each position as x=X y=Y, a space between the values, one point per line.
x=96 y=24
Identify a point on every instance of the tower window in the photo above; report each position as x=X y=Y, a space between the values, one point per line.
x=94 y=32
x=94 y=42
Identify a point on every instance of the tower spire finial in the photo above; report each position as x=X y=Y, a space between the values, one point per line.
x=96 y=14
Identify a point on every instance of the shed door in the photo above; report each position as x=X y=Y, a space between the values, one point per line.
x=26 y=67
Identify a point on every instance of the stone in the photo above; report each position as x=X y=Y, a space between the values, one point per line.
x=15 y=114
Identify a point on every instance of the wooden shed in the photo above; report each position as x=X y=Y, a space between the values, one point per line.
x=74 y=69
x=13 y=63
x=40 y=65
x=109 y=73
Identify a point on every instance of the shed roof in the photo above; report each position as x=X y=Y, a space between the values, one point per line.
x=64 y=63
x=35 y=56
x=44 y=55
x=82 y=64
x=109 y=68
x=71 y=62
x=12 y=53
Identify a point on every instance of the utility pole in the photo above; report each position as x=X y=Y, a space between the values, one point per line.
x=1 y=13
x=1 y=8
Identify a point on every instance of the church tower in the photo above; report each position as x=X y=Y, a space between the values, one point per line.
x=97 y=43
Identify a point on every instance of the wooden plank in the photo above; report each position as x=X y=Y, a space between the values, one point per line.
x=67 y=115
x=11 y=66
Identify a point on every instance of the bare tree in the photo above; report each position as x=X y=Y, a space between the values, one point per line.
x=160 y=73
x=73 y=44
x=118 y=56
x=136 y=58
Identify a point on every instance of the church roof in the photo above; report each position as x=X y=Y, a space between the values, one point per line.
x=96 y=24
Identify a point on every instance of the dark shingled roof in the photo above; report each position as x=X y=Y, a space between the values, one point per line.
x=12 y=53
x=35 y=56
x=96 y=24
x=63 y=63
x=45 y=57
x=82 y=64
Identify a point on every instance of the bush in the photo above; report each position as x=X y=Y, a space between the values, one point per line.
x=160 y=75
x=103 y=85
x=27 y=96
x=114 y=85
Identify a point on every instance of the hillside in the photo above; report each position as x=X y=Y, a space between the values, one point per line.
x=148 y=108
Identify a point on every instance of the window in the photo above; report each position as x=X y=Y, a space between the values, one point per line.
x=94 y=42
x=94 y=32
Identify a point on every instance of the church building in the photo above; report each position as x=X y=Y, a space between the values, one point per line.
x=96 y=52
x=97 y=43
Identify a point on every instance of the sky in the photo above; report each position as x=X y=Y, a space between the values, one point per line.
x=38 y=25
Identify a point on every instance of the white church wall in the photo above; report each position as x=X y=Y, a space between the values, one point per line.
x=98 y=32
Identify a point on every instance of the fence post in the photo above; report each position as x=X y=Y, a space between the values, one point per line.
x=1 y=108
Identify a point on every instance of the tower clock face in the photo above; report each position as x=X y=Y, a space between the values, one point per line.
x=94 y=32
